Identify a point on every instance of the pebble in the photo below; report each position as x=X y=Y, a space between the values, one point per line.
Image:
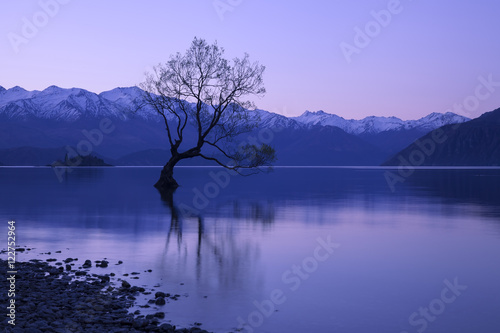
x=54 y=302
x=160 y=301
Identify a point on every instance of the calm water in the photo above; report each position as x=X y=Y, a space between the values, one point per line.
x=423 y=257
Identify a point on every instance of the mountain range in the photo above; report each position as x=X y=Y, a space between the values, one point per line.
x=375 y=125
x=35 y=126
x=473 y=143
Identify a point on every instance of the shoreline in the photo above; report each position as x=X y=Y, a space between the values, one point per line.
x=54 y=299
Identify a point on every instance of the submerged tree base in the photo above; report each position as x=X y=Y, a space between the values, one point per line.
x=166 y=185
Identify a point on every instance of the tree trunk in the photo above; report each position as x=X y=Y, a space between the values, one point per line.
x=167 y=183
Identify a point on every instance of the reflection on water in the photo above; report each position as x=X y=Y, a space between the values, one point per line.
x=217 y=255
x=259 y=233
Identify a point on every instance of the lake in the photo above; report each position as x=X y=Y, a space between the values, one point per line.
x=293 y=250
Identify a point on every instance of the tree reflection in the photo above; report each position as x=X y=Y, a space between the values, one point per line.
x=216 y=247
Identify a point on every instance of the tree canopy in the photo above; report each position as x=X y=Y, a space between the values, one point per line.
x=204 y=90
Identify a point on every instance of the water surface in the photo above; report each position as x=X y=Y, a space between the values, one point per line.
x=230 y=245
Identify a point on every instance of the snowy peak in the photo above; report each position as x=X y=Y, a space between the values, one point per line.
x=129 y=100
x=124 y=94
x=53 y=90
x=373 y=124
x=14 y=94
x=273 y=120
x=319 y=116
x=17 y=89
x=440 y=119
x=315 y=113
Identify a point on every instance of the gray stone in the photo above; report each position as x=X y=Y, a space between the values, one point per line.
x=160 y=301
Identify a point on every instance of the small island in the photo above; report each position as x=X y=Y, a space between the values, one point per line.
x=79 y=161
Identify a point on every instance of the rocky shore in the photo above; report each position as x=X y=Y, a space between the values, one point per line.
x=63 y=299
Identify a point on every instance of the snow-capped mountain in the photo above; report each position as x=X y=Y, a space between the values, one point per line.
x=372 y=124
x=70 y=104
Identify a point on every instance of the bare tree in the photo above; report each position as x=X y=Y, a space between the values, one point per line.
x=204 y=90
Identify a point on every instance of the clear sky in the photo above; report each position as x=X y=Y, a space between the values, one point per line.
x=426 y=57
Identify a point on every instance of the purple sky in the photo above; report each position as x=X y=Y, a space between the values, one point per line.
x=426 y=59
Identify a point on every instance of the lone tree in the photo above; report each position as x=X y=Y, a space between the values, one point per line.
x=203 y=90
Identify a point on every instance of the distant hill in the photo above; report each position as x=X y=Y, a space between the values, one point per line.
x=473 y=143
x=324 y=145
x=144 y=158
x=31 y=156
x=392 y=141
